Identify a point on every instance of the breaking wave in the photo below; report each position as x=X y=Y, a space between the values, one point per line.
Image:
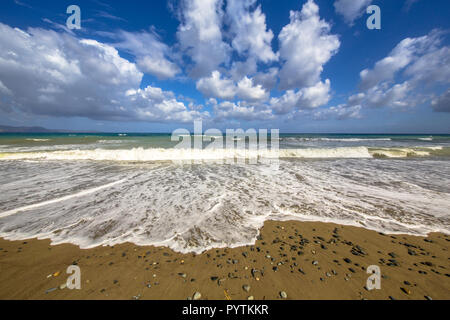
x=173 y=154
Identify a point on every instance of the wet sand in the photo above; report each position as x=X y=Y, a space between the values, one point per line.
x=291 y=260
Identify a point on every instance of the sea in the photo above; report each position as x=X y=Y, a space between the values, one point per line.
x=95 y=189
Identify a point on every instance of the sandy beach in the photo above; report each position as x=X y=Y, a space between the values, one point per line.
x=290 y=260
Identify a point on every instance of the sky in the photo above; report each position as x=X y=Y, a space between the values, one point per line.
x=300 y=66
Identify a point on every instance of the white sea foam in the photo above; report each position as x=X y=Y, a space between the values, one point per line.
x=160 y=154
x=49 y=202
x=38 y=140
x=338 y=139
x=194 y=208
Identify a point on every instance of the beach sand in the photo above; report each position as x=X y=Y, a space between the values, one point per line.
x=305 y=260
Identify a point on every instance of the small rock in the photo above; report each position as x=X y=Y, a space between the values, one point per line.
x=283 y=295
x=197 y=296
x=50 y=290
x=250 y=298
x=408 y=292
x=246 y=288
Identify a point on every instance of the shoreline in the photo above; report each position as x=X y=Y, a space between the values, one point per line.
x=305 y=260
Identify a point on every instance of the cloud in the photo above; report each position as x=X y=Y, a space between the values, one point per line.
x=407 y=51
x=394 y=96
x=306 y=98
x=409 y=4
x=46 y=73
x=154 y=104
x=442 y=103
x=200 y=36
x=402 y=79
x=247 y=91
x=107 y=15
x=152 y=55
x=407 y=76
x=240 y=111
x=216 y=86
x=305 y=46
x=249 y=30
x=341 y=112
x=351 y=9
x=22 y=4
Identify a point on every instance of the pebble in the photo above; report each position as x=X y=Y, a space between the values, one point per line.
x=283 y=295
x=246 y=288
x=315 y=262
x=408 y=292
x=197 y=296
x=428 y=298
x=250 y=298
x=50 y=290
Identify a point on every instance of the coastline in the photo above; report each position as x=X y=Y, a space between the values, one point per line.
x=306 y=260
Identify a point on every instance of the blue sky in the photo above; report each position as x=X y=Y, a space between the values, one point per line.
x=299 y=66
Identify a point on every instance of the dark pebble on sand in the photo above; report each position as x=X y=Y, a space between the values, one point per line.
x=405 y=291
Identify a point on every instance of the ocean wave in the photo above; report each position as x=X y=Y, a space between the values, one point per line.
x=337 y=139
x=402 y=152
x=426 y=139
x=38 y=140
x=174 y=154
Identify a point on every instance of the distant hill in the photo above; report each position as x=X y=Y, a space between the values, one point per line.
x=10 y=129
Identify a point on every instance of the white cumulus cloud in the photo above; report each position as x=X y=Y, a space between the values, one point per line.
x=305 y=46
x=43 y=72
x=200 y=36
x=351 y=9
